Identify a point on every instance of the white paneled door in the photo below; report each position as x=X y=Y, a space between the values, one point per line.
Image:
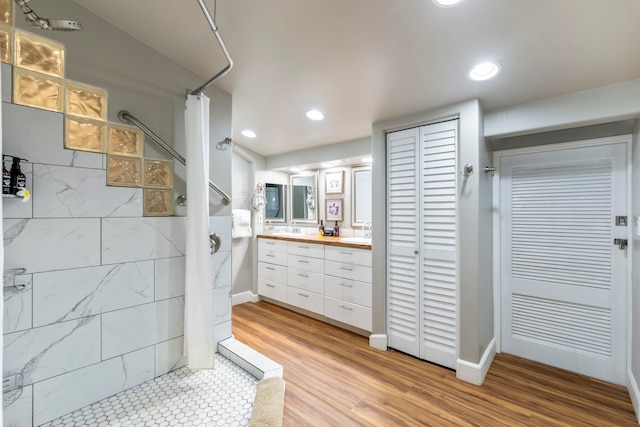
x=563 y=279
x=421 y=239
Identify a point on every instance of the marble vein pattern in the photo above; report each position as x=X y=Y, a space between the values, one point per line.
x=81 y=192
x=17 y=208
x=137 y=239
x=221 y=332
x=42 y=353
x=17 y=303
x=222 y=305
x=65 y=393
x=71 y=294
x=22 y=139
x=221 y=269
x=222 y=226
x=169 y=356
x=169 y=274
x=133 y=328
x=51 y=244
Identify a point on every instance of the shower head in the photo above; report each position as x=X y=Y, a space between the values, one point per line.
x=47 y=24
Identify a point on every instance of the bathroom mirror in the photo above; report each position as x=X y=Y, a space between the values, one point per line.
x=275 y=202
x=361 y=196
x=304 y=197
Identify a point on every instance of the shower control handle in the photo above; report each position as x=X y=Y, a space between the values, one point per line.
x=214 y=242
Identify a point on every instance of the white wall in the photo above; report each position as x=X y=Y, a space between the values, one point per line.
x=634 y=374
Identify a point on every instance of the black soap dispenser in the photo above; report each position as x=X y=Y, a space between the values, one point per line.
x=6 y=178
x=336 y=230
x=18 y=180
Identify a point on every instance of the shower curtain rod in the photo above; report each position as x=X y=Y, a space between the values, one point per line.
x=126 y=117
x=214 y=28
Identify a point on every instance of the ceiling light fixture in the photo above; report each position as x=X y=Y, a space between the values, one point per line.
x=315 y=115
x=447 y=3
x=484 y=71
x=249 y=133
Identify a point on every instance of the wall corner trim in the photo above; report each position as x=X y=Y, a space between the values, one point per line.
x=242 y=297
x=378 y=341
x=634 y=393
x=475 y=373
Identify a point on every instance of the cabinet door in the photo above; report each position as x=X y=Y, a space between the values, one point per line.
x=306 y=263
x=351 y=314
x=272 y=257
x=266 y=244
x=348 y=255
x=273 y=290
x=276 y=273
x=306 y=249
x=348 y=290
x=348 y=271
x=307 y=300
x=304 y=279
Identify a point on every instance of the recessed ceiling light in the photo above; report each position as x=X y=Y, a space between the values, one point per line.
x=295 y=169
x=249 y=133
x=315 y=115
x=327 y=165
x=484 y=71
x=447 y=3
x=367 y=159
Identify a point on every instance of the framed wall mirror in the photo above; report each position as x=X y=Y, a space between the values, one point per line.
x=275 y=202
x=304 y=197
x=361 y=196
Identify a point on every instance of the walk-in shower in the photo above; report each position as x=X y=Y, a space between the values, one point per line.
x=47 y=24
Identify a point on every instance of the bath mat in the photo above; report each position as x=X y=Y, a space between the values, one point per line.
x=268 y=407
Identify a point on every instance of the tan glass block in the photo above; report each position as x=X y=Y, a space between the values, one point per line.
x=158 y=173
x=6 y=11
x=85 y=135
x=124 y=171
x=86 y=101
x=125 y=141
x=39 y=54
x=6 y=44
x=157 y=202
x=37 y=90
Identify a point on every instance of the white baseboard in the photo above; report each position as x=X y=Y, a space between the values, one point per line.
x=242 y=297
x=475 y=373
x=378 y=341
x=634 y=393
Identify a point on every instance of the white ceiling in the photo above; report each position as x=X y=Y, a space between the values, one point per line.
x=362 y=61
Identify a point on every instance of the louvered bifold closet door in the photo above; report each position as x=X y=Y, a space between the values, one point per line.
x=563 y=278
x=402 y=241
x=438 y=255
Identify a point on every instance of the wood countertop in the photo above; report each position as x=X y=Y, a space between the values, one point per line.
x=312 y=238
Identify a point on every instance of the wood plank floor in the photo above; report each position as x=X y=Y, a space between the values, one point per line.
x=333 y=378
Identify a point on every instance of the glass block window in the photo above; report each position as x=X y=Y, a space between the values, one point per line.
x=125 y=141
x=85 y=135
x=37 y=90
x=6 y=11
x=86 y=101
x=158 y=173
x=124 y=171
x=6 y=44
x=157 y=202
x=39 y=54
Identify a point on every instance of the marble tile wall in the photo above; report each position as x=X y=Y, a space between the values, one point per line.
x=101 y=306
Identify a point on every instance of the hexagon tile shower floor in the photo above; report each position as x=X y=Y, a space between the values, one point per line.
x=222 y=397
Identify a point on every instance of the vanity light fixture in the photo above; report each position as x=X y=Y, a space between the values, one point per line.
x=367 y=159
x=249 y=133
x=295 y=169
x=315 y=115
x=327 y=165
x=484 y=71
x=447 y=3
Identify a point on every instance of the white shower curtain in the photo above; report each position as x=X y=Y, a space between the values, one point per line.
x=198 y=310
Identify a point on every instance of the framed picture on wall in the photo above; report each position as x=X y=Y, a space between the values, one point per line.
x=334 y=182
x=334 y=210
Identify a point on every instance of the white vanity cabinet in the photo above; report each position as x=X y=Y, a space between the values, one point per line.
x=347 y=288
x=333 y=281
x=272 y=269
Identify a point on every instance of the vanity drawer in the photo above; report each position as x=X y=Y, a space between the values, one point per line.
x=346 y=312
x=272 y=257
x=305 y=249
x=304 y=279
x=306 y=300
x=276 y=273
x=348 y=290
x=350 y=255
x=272 y=245
x=273 y=290
x=348 y=271
x=306 y=263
